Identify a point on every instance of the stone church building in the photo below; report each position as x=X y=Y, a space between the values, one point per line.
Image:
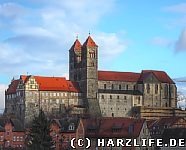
x=90 y=91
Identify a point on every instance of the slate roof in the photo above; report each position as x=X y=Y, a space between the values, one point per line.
x=113 y=127
x=17 y=125
x=64 y=124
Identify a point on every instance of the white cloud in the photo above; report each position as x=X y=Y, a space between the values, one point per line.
x=41 y=36
x=110 y=45
x=181 y=42
x=2 y=91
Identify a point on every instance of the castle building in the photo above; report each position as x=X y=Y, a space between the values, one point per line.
x=88 y=90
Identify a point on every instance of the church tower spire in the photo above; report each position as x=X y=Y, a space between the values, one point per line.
x=75 y=60
x=89 y=74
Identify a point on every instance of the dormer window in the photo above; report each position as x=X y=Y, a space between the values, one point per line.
x=71 y=127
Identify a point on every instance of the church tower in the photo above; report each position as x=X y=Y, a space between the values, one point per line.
x=83 y=68
x=75 y=61
x=89 y=76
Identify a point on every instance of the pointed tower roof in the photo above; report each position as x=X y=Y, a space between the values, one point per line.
x=89 y=42
x=76 y=46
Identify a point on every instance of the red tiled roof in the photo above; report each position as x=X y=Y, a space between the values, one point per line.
x=104 y=127
x=47 y=84
x=118 y=76
x=76 y=46
x=73 y=86
x=24 y=78
x=55 y=84
x=160 y=75
x=12 y=87
x=133 y=77
x=89 y=42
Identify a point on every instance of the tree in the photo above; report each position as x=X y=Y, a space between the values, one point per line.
x=39 y=136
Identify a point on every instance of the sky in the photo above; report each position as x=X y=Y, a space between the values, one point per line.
x=35 y=36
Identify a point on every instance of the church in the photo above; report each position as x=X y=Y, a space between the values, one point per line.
x=89 y=91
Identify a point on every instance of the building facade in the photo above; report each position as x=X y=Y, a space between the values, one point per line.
x=99 y=128
x=12 y=134
x=88 y=90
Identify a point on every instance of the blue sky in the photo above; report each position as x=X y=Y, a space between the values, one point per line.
x=132 y=35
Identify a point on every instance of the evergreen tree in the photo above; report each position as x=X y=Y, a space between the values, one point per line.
x=39 y=135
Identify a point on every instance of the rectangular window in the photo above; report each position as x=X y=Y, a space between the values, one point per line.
x=112 y=86
x=156 y=88
x=120 y=87
x=110 y=96
x=118 y=97
x=105 y=86
x=127 y=87
x=148 y=88
x=138 y=100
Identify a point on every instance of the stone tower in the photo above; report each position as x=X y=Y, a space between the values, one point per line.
x=84 y=69
x=75 y=61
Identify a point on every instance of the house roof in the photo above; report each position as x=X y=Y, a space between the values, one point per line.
x=17 y=125
x=76 y=46
x=163 y=121
x=168 y=121
x=133 y=77
x=64 y=124
x=89 y=42
x=56 y=84
x=118 y=76
x=160 y=75
x=113 y=127
x=12 y=87
x=47 y=84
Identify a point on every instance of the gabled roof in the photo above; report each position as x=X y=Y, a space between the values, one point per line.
x=55 y=84
x=169 y=121
x=12 y=87
x=64 y=124
x=17 y=125
x=89 y=42
x=160 y=75
x=133 y=77
x=76 y=46
x=118 y=76
x=113 y=127
x=47 y=84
